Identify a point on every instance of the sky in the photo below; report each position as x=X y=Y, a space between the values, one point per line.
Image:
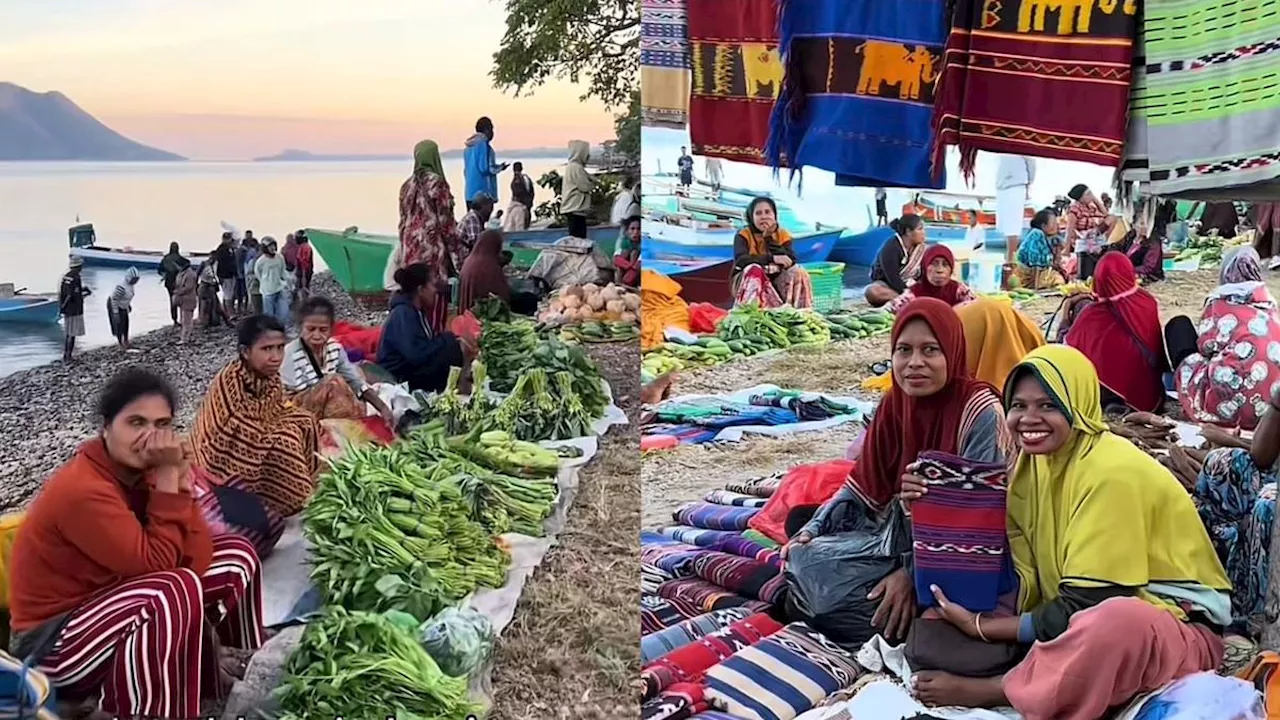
x=236 y=79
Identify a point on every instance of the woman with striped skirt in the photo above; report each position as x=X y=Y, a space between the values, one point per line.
x=117 y=589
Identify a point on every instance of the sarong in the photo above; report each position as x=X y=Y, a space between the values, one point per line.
x=690 y=662
x=714 y=517
x=705 y=596
x=664 y=64
x=737 y=75
x=1036 y=79
x=1202 y=122
x=859 y=92
x=658 y=644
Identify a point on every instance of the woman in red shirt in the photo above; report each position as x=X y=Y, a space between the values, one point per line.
x=114 y=577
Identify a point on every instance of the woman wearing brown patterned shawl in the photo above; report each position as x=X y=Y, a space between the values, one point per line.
x=246 y=429
x=428 y=230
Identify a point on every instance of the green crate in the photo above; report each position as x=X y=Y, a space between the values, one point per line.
x=827 y=279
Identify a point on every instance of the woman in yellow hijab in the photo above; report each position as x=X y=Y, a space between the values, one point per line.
x=998 y=337
x=765 y=268
x=1114 y=564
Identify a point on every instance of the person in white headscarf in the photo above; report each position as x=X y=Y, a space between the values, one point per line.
x=119 y=305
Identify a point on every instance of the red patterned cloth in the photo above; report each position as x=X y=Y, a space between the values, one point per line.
x=737 y=75
x=741 y=576
x=690 y=662
x=1019 y=79
x=704 y=596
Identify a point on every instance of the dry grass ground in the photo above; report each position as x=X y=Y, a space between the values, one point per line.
x=572 y=650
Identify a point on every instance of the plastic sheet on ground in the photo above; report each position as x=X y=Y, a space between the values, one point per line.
x=862 y=411
x=887 y=700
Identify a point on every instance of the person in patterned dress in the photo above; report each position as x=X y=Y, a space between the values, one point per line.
x=428 y=230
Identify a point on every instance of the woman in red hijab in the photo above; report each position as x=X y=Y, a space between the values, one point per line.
x=1121 y=335
x=936 y=281
x=934 y=404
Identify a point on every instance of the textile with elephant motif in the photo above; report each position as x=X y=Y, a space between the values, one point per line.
x=1048 y=78
x=737 y=75
x=859 y=89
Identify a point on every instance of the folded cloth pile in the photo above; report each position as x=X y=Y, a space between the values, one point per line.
x=678 y=702
x=726 y=541
x=658 y=612
x=691 y=661
x=672 y=557
x=657 y=644
x=748 y=578
x=819 y=408
x=760 y=487
x=714 y=517
x=729 y=497
x=651 y=577
x=704 y=596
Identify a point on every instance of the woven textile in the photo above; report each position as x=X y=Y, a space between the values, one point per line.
x=658 y=612
x=701 y=596
x=1203 y=115
x=756 y=536
x=727 y=541
x=958 y=531
x=737 y=75
x=714 y=517
x=729 y=497
x=1021 y=78
x=674 y=558
x=760 y=487
x=657 y=644
x=741 y=576
x=859 y=92
x=781 y=676
x=690 y=662
x=678 y=702
x=652 y=576
x=664 y=63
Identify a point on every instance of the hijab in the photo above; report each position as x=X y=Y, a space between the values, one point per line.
x=482 y=273
x=997 y=337
x=1099 y=511
x=950 y=292
x=1241 y=265
x=1121 y=334
x=903 y=426
x=426 y=158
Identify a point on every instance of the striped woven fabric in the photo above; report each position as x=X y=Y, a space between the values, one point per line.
x=760 y=487
x=664 y=63
x=741 y=576
x=651 y=576
x=714 y=517
x=690 y=662
x=657 y=644
x=727 y=541
x=781 y=676
x=704 y=596
x=958 y=531
x=658 y=613
x=675 y=558
x=729 y=497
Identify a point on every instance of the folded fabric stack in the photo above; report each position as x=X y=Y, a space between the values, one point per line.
x=760 y=487
x=699 y=421
x=726 y=541
x=691 y=661
x=710 y=516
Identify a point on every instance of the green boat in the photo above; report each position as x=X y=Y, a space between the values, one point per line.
x=358 y=260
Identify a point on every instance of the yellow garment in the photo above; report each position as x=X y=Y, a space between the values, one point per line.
x=1099 y=512
x=664 y=96
x=996 y=338
x=9 y=525
x=661 y=307
x=882 y=383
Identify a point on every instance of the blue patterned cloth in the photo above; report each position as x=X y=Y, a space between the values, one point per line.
x=1237 y=502
x=1036 y=249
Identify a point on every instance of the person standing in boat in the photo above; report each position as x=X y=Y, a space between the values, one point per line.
x=522 y=191
x=480 y=168
x=575 y=190
x=119 y=305
x=685 y=165
x=428 y=231
x=170 y=266
x=715 y=172
x=1014 y=177
x=71 y=297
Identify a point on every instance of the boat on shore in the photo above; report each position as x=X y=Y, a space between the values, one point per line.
x=705 y=281
x=29 y=310
x=359 y=260
x=84 y=245
x=671 y=242
x=956 y=208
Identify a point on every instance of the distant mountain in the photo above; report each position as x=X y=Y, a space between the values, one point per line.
x=504 y=155
x=48 y=126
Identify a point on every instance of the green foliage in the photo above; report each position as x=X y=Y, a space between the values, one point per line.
x=627 y=127
x=591 y=41
x=607 y=186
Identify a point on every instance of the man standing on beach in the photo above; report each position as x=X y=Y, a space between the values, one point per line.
x=224 y=260
x=71 y=297
x=522 y=191
x=685 y=165
x=480 y=168
x=882 y=207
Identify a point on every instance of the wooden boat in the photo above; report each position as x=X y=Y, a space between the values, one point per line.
x=955 y=208
x=668 y=242
x=700 y=281
x=358 y=260
x=84 y=245
x=29 y=310
x=860 y=248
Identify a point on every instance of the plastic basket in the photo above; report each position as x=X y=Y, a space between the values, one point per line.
x=827 y=279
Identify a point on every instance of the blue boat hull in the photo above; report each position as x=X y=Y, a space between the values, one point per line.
x=29 y=311
x=814 y=247
x=862 y=248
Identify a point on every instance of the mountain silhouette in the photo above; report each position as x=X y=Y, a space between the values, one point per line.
x=48 y=126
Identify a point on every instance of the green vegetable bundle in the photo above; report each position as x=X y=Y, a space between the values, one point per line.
x=865 y=324
x=363 y=665
x=391 y=534
x=749 y=321
x=506 y=348
x=802 y=326
x=555 y=356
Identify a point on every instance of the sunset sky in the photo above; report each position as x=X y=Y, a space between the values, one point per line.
x=241 y=78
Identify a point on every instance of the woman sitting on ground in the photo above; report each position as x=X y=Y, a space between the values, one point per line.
x=248 y=431
x=898 y=262
x=483 y=276
x=1120 y=591
x=318 y=376
x=764 y=262
x=116 y=586
x=410 y=350
x=937 y=281
x=627 y=255
x=935 y=404
x=997 y=337
x=1228 y=379
x=1120 y=333
x=1040 y=253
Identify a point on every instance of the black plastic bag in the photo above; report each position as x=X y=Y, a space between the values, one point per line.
x=830 y=576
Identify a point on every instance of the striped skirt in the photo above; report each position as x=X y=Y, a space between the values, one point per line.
x=147 y=646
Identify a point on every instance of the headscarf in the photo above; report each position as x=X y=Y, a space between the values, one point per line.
x=949 y=293
x=756 y=243
x=1098 y=512
x=1121 y=334
x=131 y=275
x=1241 y=265
x=482 y=273
x=997 y=337
x=426 y=158
x=903 y=426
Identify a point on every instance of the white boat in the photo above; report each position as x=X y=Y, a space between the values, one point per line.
x=84 y=245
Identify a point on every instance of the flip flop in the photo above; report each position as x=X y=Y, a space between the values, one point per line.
x=880 y=368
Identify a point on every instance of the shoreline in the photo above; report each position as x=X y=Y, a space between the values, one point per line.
x=47 y=411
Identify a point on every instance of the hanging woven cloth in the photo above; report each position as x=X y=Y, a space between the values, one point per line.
x=664 y=63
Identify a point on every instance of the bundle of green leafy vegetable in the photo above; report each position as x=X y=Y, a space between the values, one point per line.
x=389 y=533
x=541 y=406
x=365 y=665
x=506 y=346
x=750 y=322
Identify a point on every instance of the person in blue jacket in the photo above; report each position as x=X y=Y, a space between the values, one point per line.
x=479 y=163
x=409 y=350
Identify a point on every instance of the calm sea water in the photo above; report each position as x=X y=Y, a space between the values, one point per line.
x=149 y=205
